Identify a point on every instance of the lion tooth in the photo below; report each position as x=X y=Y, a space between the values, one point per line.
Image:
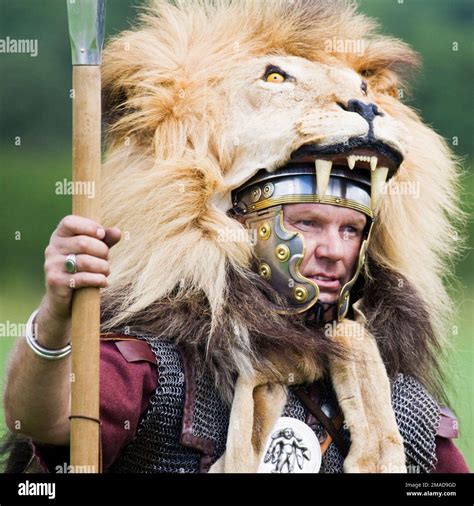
x=351 y=160
x=323 y=172
x=377 y=181
x=373 y=162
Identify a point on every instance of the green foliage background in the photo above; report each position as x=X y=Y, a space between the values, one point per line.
x=35 y=107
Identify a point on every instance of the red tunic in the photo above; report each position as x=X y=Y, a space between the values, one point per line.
x=128 y=378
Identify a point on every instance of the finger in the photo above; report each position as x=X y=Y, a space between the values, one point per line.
x=87 y=279
x=61 y=283
x=112 y=236
x=72 y=225
x=89 y=263
x=58 y=283
x=82 y=244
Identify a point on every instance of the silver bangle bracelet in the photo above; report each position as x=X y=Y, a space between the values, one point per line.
x=37 y=348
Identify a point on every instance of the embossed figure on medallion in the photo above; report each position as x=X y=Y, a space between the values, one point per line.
x=287 y=450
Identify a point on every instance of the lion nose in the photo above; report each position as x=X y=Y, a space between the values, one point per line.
x=367 y=111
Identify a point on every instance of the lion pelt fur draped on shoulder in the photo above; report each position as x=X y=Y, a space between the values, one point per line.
x=249 y=329
x=246 y=334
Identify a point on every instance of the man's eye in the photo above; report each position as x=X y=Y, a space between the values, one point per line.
x=351 y=230
x=305 y=223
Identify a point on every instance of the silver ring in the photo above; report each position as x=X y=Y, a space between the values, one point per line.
x=70 y=263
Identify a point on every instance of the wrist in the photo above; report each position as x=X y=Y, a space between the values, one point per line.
x=50 y=330
x=55 y=309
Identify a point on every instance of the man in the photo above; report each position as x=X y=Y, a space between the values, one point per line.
x=130 y=399
x=211 y=346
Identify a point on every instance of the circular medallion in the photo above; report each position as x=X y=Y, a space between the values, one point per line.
x=265 y=271
x=300 y=294
x=268 y=190
x=255 y=193
x=264 y=231
x=282 y=252
x=292 y=447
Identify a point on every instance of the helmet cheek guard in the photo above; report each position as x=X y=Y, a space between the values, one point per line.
x=280 y=253
x=344 y=296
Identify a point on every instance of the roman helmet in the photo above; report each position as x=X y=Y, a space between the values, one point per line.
x=355 y=181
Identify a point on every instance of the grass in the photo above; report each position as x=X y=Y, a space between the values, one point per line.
x=461 y=374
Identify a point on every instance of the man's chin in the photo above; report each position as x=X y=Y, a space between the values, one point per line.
x=328 y=298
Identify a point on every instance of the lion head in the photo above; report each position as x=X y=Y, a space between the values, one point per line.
x=200 y=95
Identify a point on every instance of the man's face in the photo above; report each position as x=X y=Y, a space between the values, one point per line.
x=333 y=236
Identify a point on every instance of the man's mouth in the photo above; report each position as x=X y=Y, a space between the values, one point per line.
x=326 y=282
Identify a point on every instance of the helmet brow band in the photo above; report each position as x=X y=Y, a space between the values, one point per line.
x=308 y=199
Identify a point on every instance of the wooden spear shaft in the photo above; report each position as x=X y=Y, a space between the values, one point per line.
x=86 y=301
x=86 y=26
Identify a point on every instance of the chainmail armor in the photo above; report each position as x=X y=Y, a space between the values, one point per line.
x=211 y=414
x=418 y=416
x=156 y=447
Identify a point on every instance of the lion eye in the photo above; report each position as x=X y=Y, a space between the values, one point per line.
x=275 y=77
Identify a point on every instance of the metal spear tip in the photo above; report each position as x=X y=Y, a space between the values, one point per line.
x=86 y=29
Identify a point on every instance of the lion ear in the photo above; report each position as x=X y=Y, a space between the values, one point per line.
x=386 y=64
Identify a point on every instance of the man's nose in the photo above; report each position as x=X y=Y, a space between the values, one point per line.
x=330 y=247
x=367 y=111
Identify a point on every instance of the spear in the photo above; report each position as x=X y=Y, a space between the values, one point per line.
x=86 y=28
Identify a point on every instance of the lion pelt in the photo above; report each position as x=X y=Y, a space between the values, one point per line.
x=249 y=330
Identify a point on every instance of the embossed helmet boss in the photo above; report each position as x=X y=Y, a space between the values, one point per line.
x=353 y=180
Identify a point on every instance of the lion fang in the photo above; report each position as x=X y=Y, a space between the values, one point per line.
x=323 y=172
x=378 y=178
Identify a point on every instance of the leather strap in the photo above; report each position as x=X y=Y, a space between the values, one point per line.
x=448 y=425
x=326 y=422
x=187 y=438
x=135 y=351
x=131 y=348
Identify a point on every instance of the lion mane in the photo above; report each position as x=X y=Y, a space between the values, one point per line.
x=166 y=93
